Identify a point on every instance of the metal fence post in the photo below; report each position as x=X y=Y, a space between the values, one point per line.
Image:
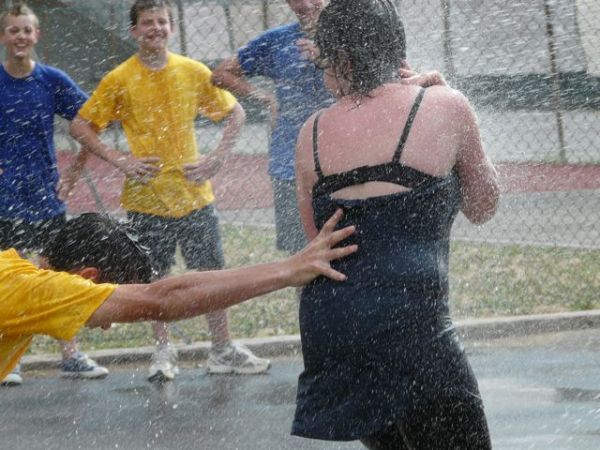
x=182 y=29
x=265 y=14
x=448 y=58
x=229 y=23
x=555 y=80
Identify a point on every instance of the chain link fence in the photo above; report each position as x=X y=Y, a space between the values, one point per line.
x=532 y=72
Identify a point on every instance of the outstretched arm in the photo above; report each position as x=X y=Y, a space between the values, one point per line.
x=197 y=293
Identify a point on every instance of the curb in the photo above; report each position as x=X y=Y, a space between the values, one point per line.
x=289 y=346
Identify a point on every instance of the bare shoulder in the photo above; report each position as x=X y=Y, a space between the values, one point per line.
x=447 y=96
x=451 y=101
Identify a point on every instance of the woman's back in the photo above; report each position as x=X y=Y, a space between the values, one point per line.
x=367 y=134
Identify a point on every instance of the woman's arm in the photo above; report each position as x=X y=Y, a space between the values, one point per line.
x=478 y=177
x=197 y=293
x=306 y=177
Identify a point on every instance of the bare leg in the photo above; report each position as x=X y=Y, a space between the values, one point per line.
x=164 y=361
x=68 y=348
x=161 y=333
x=218 y=325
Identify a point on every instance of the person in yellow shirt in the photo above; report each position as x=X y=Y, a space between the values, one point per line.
x=156 y=95
x=99 y=252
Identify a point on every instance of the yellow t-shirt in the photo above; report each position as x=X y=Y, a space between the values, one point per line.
x=157 y=109
x=35 y=301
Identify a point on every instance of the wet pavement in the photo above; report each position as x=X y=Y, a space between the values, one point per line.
x=541 y=392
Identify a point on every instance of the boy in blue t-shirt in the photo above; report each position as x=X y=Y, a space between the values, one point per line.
x=31 y=206
x=282 y=54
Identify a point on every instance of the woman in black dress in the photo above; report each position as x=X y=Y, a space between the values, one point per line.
x=383 y=363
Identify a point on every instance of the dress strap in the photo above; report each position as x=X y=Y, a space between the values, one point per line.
x=318 y=170
x=408 y=126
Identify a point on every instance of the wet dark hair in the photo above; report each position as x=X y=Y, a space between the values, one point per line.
x=364 y=40
x=95 y=240
x=143 y=5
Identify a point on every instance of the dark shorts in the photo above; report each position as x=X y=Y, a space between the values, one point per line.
x=25 y=236
x=289 y=229
x=197 y=234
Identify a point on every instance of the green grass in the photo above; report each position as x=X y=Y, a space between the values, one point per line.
x=495 y=280
x=485 y=280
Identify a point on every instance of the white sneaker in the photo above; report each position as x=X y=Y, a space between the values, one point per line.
x=81 y=365
x=164 y=364
x=236 y=358
x=14 y=378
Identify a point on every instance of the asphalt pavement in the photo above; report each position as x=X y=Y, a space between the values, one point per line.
x=541 y=391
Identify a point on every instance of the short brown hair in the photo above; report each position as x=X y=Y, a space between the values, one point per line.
x=143 y=5
x=18 y=9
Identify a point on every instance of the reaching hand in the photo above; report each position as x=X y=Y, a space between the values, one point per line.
x=140 y=169
x=203 y=170
x=314 y=260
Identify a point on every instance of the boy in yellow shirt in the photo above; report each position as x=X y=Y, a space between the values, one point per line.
x=156 y=95
x=95 y=249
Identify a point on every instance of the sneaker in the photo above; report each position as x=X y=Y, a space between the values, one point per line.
x=14 y=378
x=236 y=358
x=81 y=365
x=164 y=364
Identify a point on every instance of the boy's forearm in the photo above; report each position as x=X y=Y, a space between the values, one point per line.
x=231 y=133
x=228 y=75
x=73 y=172
x=83 y=132
x=199 y=293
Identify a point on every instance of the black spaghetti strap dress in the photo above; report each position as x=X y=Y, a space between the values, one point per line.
x=381 y=344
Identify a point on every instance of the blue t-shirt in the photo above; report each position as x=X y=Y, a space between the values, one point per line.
x=29 y=173
x=299 y=88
